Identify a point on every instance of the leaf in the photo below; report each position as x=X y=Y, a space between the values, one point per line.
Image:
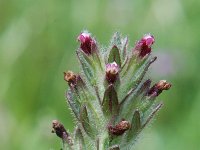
x=84 y=118
x=116 y=40
x=110 y=104
x=133 y=77
x=118 y=49
x=133 y=100
x=77 y=95
x=78 y=134
x=152 y=114
x=135 y=126
x=147 y=102
x=124 y=46
x=141 y=89
x=79 y=139
x=114 y=55
x=74 y=103
x=87 y=66
x=141 y=71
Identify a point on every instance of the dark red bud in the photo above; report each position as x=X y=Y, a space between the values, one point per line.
x=120 y=128
x=59 y=129
x=88 y=44
x=112 y=72
x=159 y=87
x=143 y=47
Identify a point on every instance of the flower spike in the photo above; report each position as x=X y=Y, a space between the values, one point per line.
x=112 y=85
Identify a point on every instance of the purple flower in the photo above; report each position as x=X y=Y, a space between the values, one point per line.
x=112 y=72
x=88 y=44
x=143 y=47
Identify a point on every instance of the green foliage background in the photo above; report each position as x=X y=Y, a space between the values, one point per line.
x=38 y=42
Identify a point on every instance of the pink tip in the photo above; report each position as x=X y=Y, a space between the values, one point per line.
x=88 y=45
x=143 y=47
x=148 y=39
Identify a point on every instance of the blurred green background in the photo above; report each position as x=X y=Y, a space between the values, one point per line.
x=38 y=42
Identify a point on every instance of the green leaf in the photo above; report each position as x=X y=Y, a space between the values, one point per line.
x=116 y=40
x=153 y=112
x=133 y=99
x=135 y=126
x=124 y=47
x=110 y=104
x=72 y=100
x=120 y=47
x=134 y=76
x=87 y=66
x=79 y=139
x=84 y=118
x=141 y=89
x=114 y=55
x=146 y=103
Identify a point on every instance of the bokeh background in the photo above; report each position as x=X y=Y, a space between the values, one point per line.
x=38 y=43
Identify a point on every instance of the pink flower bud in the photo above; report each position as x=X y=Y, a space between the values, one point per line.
x=88 y=44
x=112 y=72
x=143 y=47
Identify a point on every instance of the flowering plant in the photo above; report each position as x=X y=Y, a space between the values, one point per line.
x=111 y=100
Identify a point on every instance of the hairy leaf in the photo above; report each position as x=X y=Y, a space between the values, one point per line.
x=110 y=104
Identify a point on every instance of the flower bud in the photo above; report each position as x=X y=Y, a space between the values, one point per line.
x=143 y=47
x=70 y=77
x=159 y=87
x=74 y=80
x=112 y=72
x=59 y=129
x=120 y=128
x=88 y=44
x=163 y=85
x=61 y=132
